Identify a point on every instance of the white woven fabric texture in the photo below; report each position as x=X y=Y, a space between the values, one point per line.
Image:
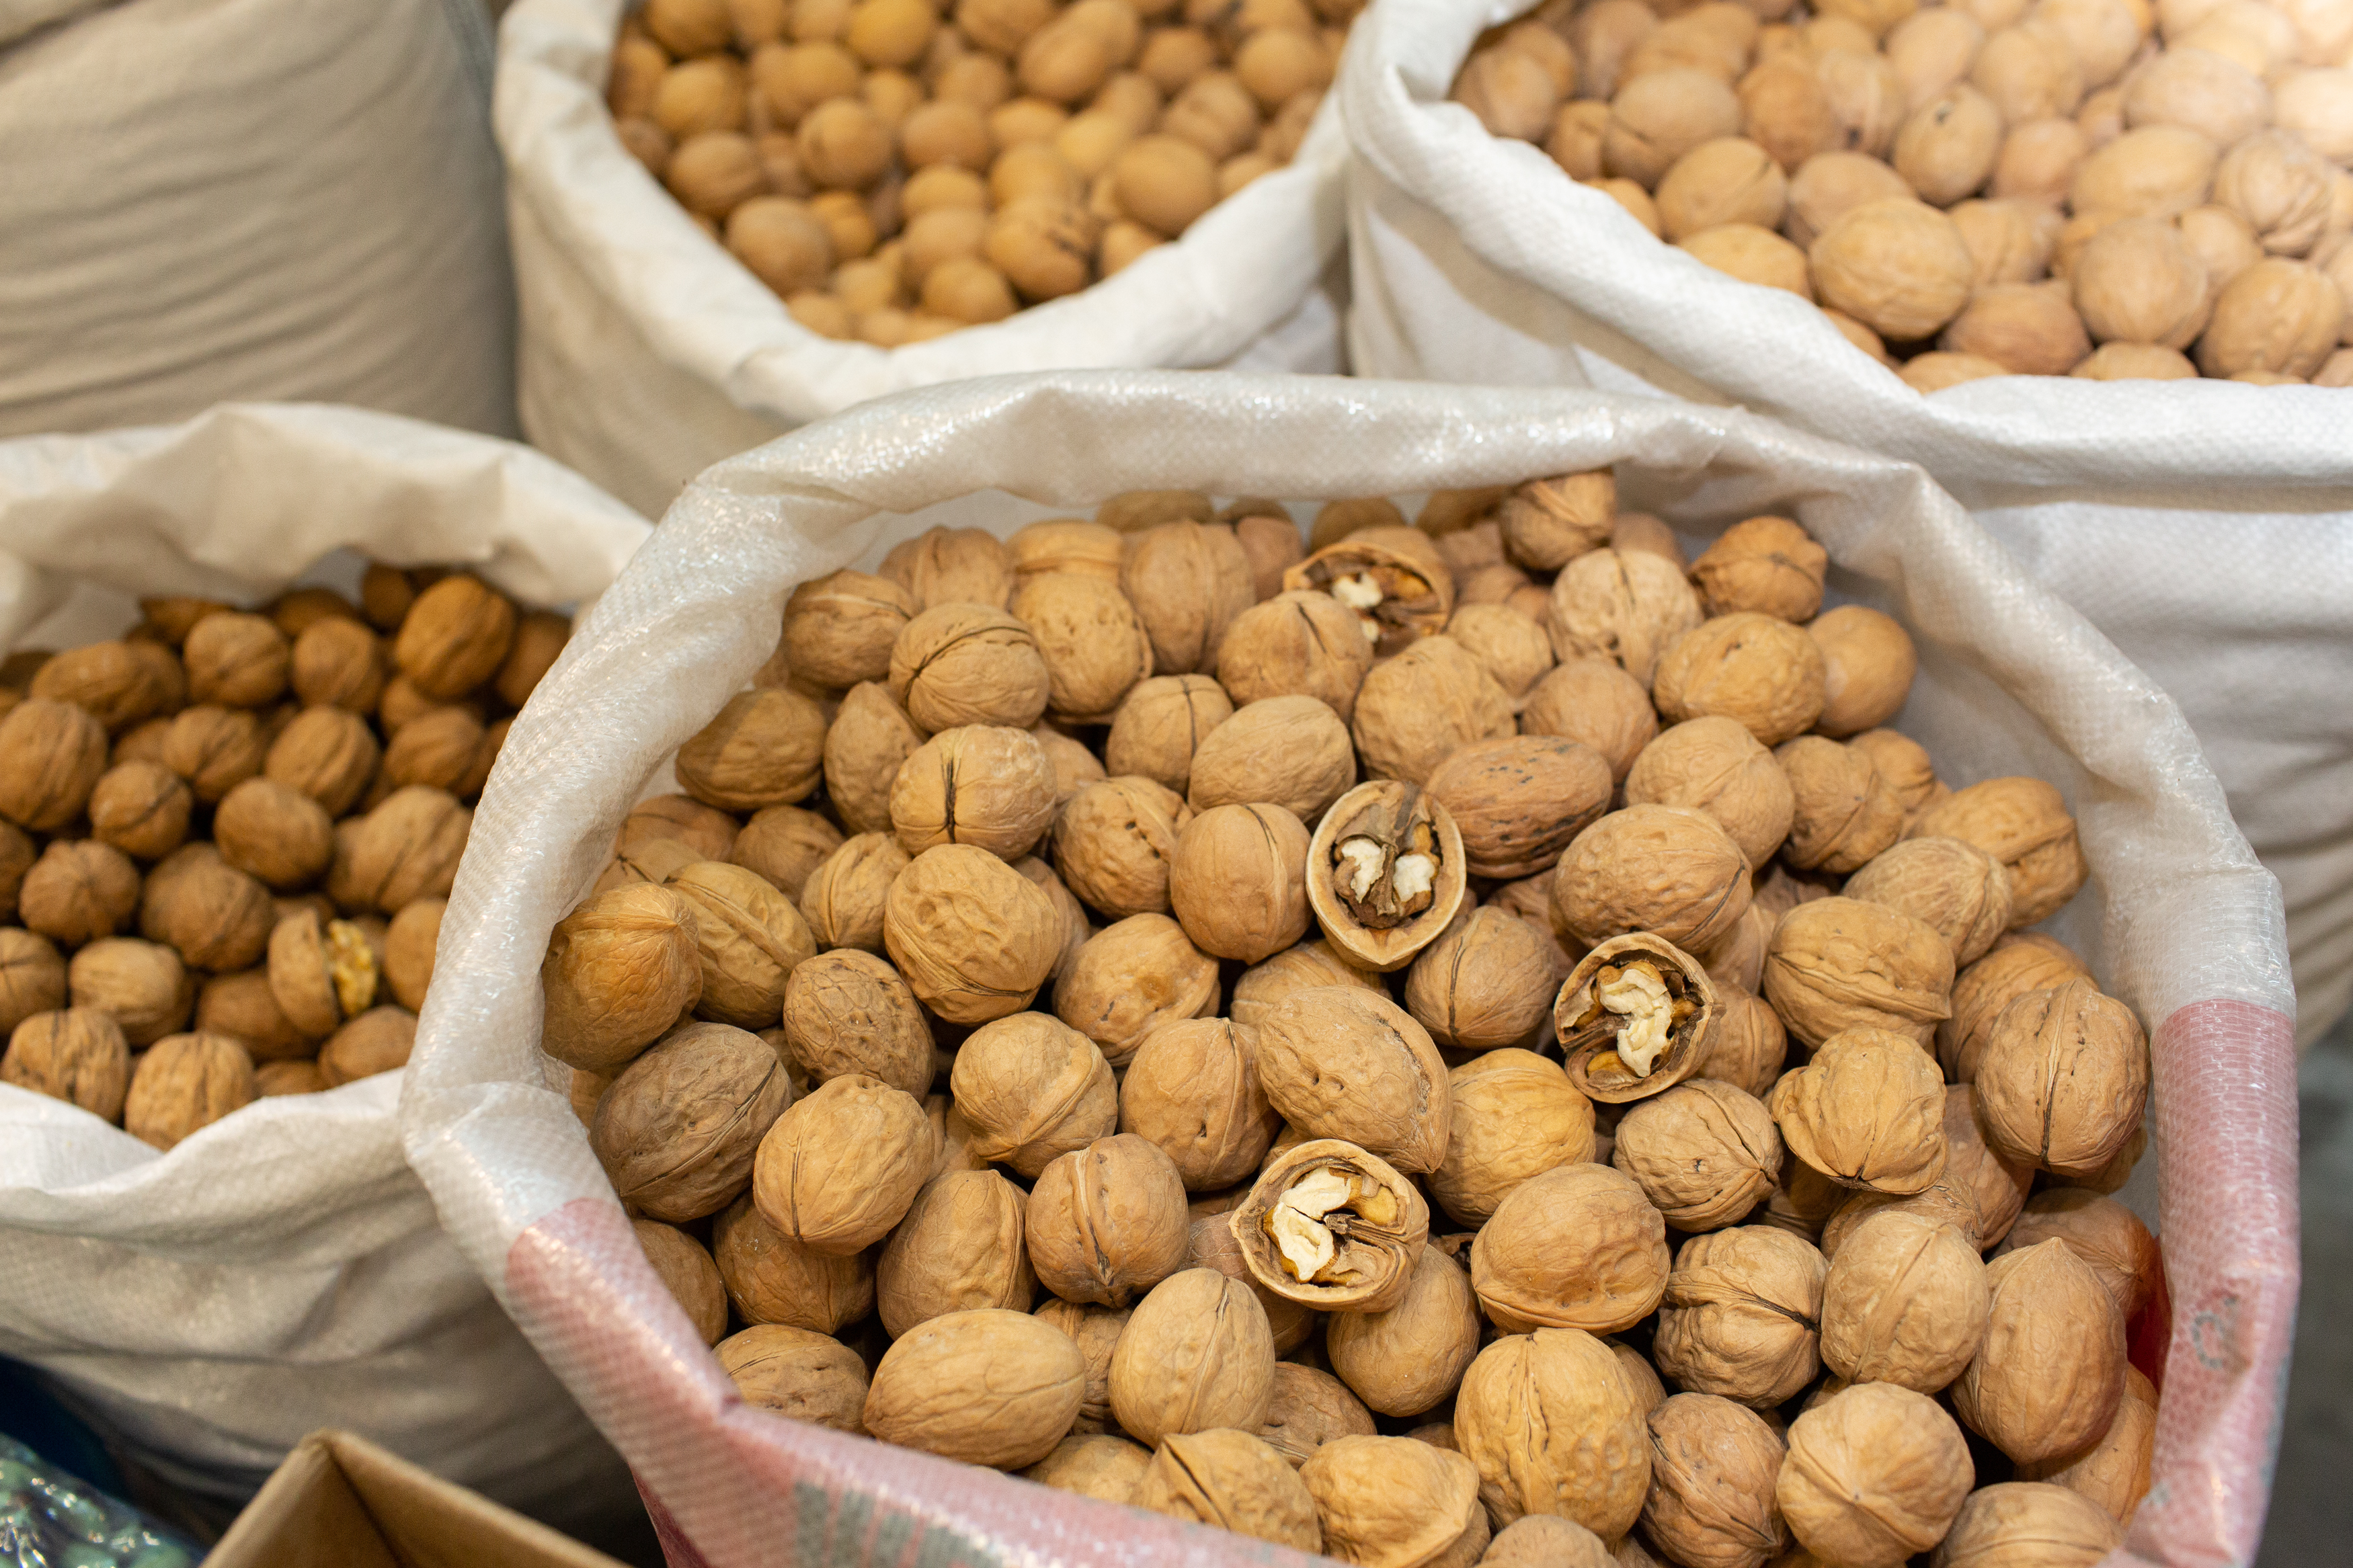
x=648 y=353
x=2206 y=527
x=2010 y=680
x=281 y=1270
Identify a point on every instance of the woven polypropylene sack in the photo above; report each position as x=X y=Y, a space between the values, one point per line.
x=2181 y=920
x=2206 y=527
x=281 y=1270
x=212 y=200
x=650 y=354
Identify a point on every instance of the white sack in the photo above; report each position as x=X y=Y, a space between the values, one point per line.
x=2206 y=527
x=281 y=1270
x=650 y=354
x=209 y=200
x=2180 y=921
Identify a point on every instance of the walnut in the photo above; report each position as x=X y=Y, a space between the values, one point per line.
x=78 y=890
x=1844 y=813
x=299 y=1076
x=320 y=972
x=1186 y=582
x=1329 y=1225
x=217 y=917
x=327 y=753
x=1838 y=963
x=1161 y=723
x=1095 y=1331
x=1065 y=544
x=1107 y=1222
x=748 y=938
x=1906 y=1302
x=1546 y=524
x=1233 y=1481
x=2011 y=1519
x=1868 y=663
x=1713 y=765
x=237 y=660
x=2103 y=1233
x=1625 y=606
x=1095 y=1465
x=986 y=1386
x=1033 y=1088
x=77 y=1055
x=1741 y=1314
x=216 y=749
x=1662 y=869
x=2024 y=824
x=1130 y=978
x=839 y=1168
x=620 y=968
x=2049 y=1374
x=1574 y=1246
x=1766 y=564
x=1487 y=982
x=2015 y=965
x=1394 y=1500
x=764 y=748
x=1705 y=1152
x=1553 y=1427
x=2063 y=1080
x=1339 y=1062
x=1978 y=1193
x=1635 y=1017
x=17 y=855
x=1311 y=964
x=275 y=832
x=1303 y=643
x=1094 y=644
x=1115 y=840
x=868 y=742
x=378 y=1040
x=796 y=1372
x=839 y=630
x=973 y=937
x=182 y=1084
x=1311 y=1408
x=1422 y=707
x=1875 y=1474
x=1518 y=801
x=1214 y=1246
x=679 y=1130
x=1192 y=1090
x=1760 y=670
x=1391 y=577
x=1749 y=1047
x=406 y=849
x=122 y=684
x=1595 y=702
x=959 y=1248
x=1713 y=1468
x=1867 y=1112
x=1236 y=878
x=1548 y=1540
x=338 y=663
x=1406 y=1359
x=785 y=845
x=848 y=1012
x=1291 y=751
x=2114 y=1472
x=844 y=898
x=240 y=1006
x=1196 y=1355
x=1951 y=885
x=981 y=785
x=771 y=1280
x=1514 y=1115
x=454 y=637
x=33 y=978
x=539 y=640
x=54 y=754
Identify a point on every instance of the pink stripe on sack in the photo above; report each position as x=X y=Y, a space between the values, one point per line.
x=731 y=1487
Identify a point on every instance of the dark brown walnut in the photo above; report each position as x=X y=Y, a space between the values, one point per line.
x=771 y=1280
x=840 y=629
x=1197 y=1356
x=539 y=641
x=1033 y=1088
x=960 y=664
x=1867 y=1112
x=446 y=748
x=1635 y=1017
x=1953 y=886
x=2103 y=1233
x=1188 y=581
x=1339 y=1062
x=455 y=637
x=796 y=1372
x=959 y=1248
x=51 y=754
x=216 y=749
x=1622 y=606
x=1874 y=1474
x=1395 y=1500
x=2114 y=1472
x=339 y=663
x=973 y=938
x=1114 y=842
x=1905 y=1302
x=1386 y=874
x=78 y=892
x=1300 y=644
x=1547 y=523
x=378 y=1040
x=275 y=832
x=1553 y=1427
x=77 y=1055
x=1515 y=1116
x=952 y=566
x=1232 y=1481
x=1755 y=669
x=1705 y=1152
x=1750 y=1045
x=764 y=748
x=218 y=918
x=1107 y=1222
x=1487 y=982
x=327 y=753
x=844 y=897
x=1407 y=1358
x=1845 y=814
x=1518 y=801
x=1065 y=544
x=2063 y=1080
x=1310 y=1408
x=1095 y=1331
x=870 y=738
x=1237 y=881
x=320 y=972
x=1214 y=1246
x=1391 y=578
x=1132 y=977
x=2023 y=824
x=302 y=1076
x=1415 y=710
x=1666 y=870
x=142 y=985
x=1093 y=1464
x=785 y=845
x=838 y=1170
x=1577 y=1247
x=682 y=1125
x=1192 y=1090
x=1331 y=1226
x=1713 y=1466
x=1766 y=564
x=619 y=970
x=1742 y=1315
x=1840 y=963
x=1548 y=1540
x=1291 y=751
x=982 y=784
x=1160 y=724
x=241 y=1006
x=2014 y=965
x=987 y=1387
x=1094 y=644
x=2049 y=1377
x=848 y=1012
x=2013 y=1522
x=185 y=1083
x=406 y=849
x=1266 y=984
x=237 y=660
x=121 y=684
x=1715 y=766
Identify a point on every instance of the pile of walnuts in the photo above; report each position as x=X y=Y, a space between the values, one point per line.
x=274 y=801
x=1979 y=188
x=898 y=168
x=1441 y=1028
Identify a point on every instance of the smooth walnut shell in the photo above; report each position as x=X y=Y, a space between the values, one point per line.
x=2024 y=824
x=1188 y=581
x=2063 y=1079
x=1546 y=524
x=786 y=845
x=1094 y=644
x=1418 y=709
x=1237 y=881
x=1672 y=872
x=1553 y=1427
x=378 y=1040
x=844 y=898
x=1749 y=1047
x=2115 y=1471
x=619 y=971
x=1867 y=1112
x=1629 y=997
x=1096 y=1465
x=797 y=1373
x=2017 y=1521
x=839 y=1169
x=1132 y=977
x=1595 y=702
x=1840 y=964
x=959 y=1247
x=1906 y=1302
x=1311 y=1408
x=1713 y=1466
x=1114 y=842
x=240 y=1006
x=1868 y=662
x=1392 y=578
x=1488 y=982
x=987 y=1387
x=1344 y=1063
x=840 y=629
x=748 y=939
x=764 y=748
x=1371 y=1220
x=1192 y=1090
x=1705 y=1152
x=1874 y=1474
x=1755 y=669
x=980 y=784
x=1107 y=1222
x=1160 y=724
x=1548 y=1540
x=1033 y=1088
x=1953 y=885
x=678 y=1131
x=1232 y=1481
x=1713 y=764
x=75 y=1055
x=1512 y=647
x=182 y=1084
x=1095 y=1331
x=1265 y=985
x=2016 y=964
x=1291 y=751
x=952 y=566
x=1742 y=1314
x=1406 y=1359
x=1515 y=1116
x=773 y=1279
x=870 y=739
x=692 y=1279
x=1519 y=801
x=848 y=1012
x=120 y=684
x=1388 y=1502
x=1578 y=1247
x=143 y=985
x=972 y=936
x=1196 y=1355
x=1622 y=606
x=1386 y=874
x=2049 y=1377
x=1767 y=565
x=454 y=637
x=2103 y=1233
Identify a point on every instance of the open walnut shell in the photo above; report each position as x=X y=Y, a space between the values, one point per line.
x=1331 y=1226
x=1393 y=578
x=1635 y=1018
x=1384 y=873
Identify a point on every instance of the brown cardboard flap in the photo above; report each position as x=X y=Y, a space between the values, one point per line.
x=340 y=1501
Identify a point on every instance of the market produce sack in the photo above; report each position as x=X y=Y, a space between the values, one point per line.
x=292 y=199
x=2203 y=526
x=2180 y=921
x=649 y=352
x=280 y=1269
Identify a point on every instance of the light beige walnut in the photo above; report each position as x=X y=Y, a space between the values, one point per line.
x=1713 y=1468
x=2063 y=1079
x=1840 y=963
x=1032 y=1089
x=1625 y=606
x=1486 y=982
x=1867 y=1112
x=1874 y=1474
x=1344 y=1063
x=973 y=938
x=959 y=1248
x=1388 y=1501
x=1553 y=1427
x=1741 y=1315
x=1197 y=1356
x=1705 y=1152
x=2103 y=1232
x=2050 y=1373
x=796 y=1373
x=1107 y=1222
x=1906 y=1302
x=1517 y=801
x=1713 y=764
x=987 y=1387
x=1406 y=1359
x=1132 y=977
x=1192 y=1090
x=1574 y=1246
x=2024 y=824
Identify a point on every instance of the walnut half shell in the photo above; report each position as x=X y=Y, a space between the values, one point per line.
x=1384 y=873
x=1635 y=1018
x=1331 y=1226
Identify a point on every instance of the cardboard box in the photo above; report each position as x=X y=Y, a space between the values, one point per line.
x=340 y=1501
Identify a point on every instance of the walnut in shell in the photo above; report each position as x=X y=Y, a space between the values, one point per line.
x=1750 y=1045
x=2014 y=965
x=870 y=739
x=1713 y=1466
x=1237 y=881
x=1577 y=1247
x=692 y=1279
x=1845 y=814
x=1666 y=870
x=799 y=1374
x=1759 y=671
x=844 y=898
x=1196 y=1355
x=1393 y=1501
x=1095 y=1331
x=1518 y=801
x=1953 y=885
x=239 y=660
x=1768 y=565
x=952 y=566
x=764 y=748
x=1385 y=873
x=1095 y=1465
x=2115 y=1471
x=958 y=664
x=1840 y=964
x=1742 y=1315
x=1635 y=1017
x=1867 y=1112
x=2014 y=1520
x=705 y=829
x=1622 y=606
x=839 y=1169
x=1713 y=764
x=1868 y=663
x=1392 y=578
x=1345 y=1063
x=1331 y=1226
x=1132 y=977
x=1192 y=1090
x=1906 y=1302
x=1406 y=1359
x=1415 y=710
x=678 y=1131
x=378 y=1040
x=1487 y=983
x=1069 y=544
x=1546 y=524
x=1263 y=986
x=1514 y=1115
x=1095 y=646
x=1875 y=1474
x=1160 y=724
x=217 y=917
x=620 y=968
x=182 y=1084
x=1553 y=1426
x=1107 y=1222
x=2049 y=1377
x=1033 y=1088
x=1301 y=644
x=1291 y=751
x=773 y=1279
x=1595 y=702
x=320 y=972
x=138 y=808
x=1114 y=842
x=142 y=985
x=1188 y=582
x=80 y=890
x=2024 y=824
x=786 y=845
x=848 y=1012
x=2103 y=1233
x=1511 y=647
x=2063 y=1079
x=959 y=1248
x=1311 y=1408
x=981 y=785
x=454 y=637
x=840 y=629
x=77 y=1055
x=405 y=849
x=987 y=1387
x=972 y=936
x=1705 y=1152
x=1232 y=1481
x=748 y=939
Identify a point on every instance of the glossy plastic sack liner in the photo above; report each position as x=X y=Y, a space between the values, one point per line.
x=649 y=352
x=281 y=1270
x=2206 y=527
x=2181 y=922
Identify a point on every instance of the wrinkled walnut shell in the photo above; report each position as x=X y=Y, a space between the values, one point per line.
x=1385 y=873
x=1374 y=1231
x=1594 y=1030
